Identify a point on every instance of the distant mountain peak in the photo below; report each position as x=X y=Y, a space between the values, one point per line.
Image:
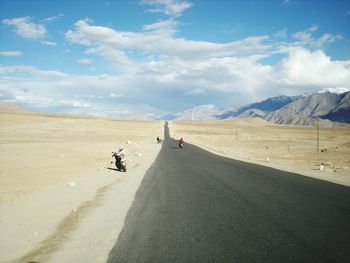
x=260 y=108
x=339 y=90
x=329 y=106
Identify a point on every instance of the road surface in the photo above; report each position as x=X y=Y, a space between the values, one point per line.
x=194 y=206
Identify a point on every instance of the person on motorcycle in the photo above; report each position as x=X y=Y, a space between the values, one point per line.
x=120 y=153
x=120 y=161
x=181 y=143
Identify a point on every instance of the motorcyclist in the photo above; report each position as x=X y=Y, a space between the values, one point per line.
x=120 y=159
x=181 y=143
x=119 y=153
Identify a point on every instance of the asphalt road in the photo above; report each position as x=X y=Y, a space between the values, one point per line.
x=193 y=206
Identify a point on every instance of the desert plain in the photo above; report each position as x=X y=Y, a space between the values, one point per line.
x=62 y=200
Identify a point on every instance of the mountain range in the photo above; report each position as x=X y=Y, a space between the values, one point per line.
x=259 y=109
x=331 y=106
x=327 y=106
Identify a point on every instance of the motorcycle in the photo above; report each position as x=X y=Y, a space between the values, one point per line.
x=181 y=143
x=120 y=162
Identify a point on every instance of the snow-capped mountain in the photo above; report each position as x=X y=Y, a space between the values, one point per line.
x=339 y=90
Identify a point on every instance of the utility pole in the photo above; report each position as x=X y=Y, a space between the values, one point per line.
x=318 y=133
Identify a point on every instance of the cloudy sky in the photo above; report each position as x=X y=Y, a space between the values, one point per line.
x=129 y=57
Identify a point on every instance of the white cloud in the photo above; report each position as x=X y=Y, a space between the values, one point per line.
x=53 y=18
x=38 y=101
x=305 y=38
x=289 y=2
x=337 y=90
x=24 y=27
x=326 y=38
x=303 y=67
x=168 y=7
x=114 y=95
x=305 y=35
x=282 y=33
x=75 y=103
x=11 y=53
x=196 y=92
x=301 y=70
x=86 y=61
x=163 y=27
x=30 y=70
x=32 y=100
x=109 y=53
x=48 y=43
x=157 y=39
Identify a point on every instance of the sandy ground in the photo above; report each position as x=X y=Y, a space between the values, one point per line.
x=60 y=199
x=285 y=147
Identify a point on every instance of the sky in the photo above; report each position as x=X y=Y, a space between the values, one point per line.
x=124 y=58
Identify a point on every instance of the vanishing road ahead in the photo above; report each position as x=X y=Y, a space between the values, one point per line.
x=193 y=206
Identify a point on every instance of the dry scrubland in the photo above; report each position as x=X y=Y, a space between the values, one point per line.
x=286 y=147
x=56 y=189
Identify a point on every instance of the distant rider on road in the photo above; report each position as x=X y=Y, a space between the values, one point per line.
x=181 y=143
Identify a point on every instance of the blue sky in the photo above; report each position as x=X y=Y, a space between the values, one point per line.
x=155 y=57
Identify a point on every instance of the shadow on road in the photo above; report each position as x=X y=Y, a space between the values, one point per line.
x=114 y=169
